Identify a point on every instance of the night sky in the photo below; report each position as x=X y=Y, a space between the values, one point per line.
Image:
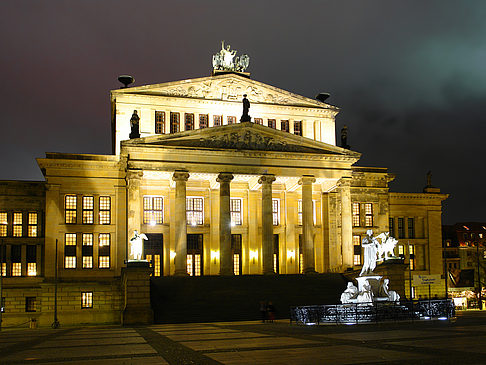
x=409 y=76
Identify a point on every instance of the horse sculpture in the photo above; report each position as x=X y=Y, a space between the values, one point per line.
x=387 y=246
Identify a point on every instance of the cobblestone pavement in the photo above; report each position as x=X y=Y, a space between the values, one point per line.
x=460 y=342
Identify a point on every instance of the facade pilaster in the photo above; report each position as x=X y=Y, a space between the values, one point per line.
x=308 y=224
x=134 y=177
x=267 y=223
x=346 y=223
x=226 y=259
x=180 y=177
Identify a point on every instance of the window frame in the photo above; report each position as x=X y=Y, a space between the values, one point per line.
x=298 y=127
x=151 y=216
x=86 y=300
x=236 y=215
x=104 y=209
x=285 y=126
x=175 y=122
x=276 y=211
x=73 y=211
x=191 y=217
x=189 y=121
x=159 y=122
x=203 y=121
x=87 y=207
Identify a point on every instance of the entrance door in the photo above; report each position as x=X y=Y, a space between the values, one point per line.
x=194 y=254
x=153 y=252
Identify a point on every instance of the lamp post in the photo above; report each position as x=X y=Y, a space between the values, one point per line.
x=479 y=279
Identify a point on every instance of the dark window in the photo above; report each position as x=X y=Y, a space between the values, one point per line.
x=189 y=121
x=284 y=125
x=203 y=121
x=258 y=121
x=30 y=304
x=401 y=228
x=174 y=122
x=272 y=123
x=231 y=120
x=391 y=224
x=411 y=228
x=160 y=122
x=298 y=128
x=31 y=253
x=217 y=120
x=15 y=253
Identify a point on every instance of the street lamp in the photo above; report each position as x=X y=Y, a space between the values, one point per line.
x=479 y=279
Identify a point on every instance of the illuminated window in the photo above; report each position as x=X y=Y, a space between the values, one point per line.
x=16 y=269
x=87 y=299
x=301 y=255
x=276 y=263
x=156 y=264
x=87 y=250
x=236 y=250
x=3 y=224
x=159 y=122
x=217 y=120
x=391 y=224
x=401 y=251
x=401 y=228
x=355 y=214
x=190 y=265
x=258 y=121
x=32 y=226
x=284 y=126
x=231 y=120
x=272 y=123
x=357 y=250
x=31 y=257
x=30 y=304
x=70 y=251
x=235 y=210
x=194 y=254
x=31 y=269
x=88 y=209
x=153 y=210
x=3 y=269
x=70 y=262
x=189 y=121
x=276 y=211
x=194 y=211
x=203 y=121
x=105 y=210
x=411 y=228
x=368 y=215
x=299 y=212
x=236 y=263
x=104 y=251
x=70 y=209
x=412 y=257
x=174 y=122
x=298 y=128
x=17 y=224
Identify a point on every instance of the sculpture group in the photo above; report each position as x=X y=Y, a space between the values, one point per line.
x=372 y=288
x=227 y=60
x=136 y=246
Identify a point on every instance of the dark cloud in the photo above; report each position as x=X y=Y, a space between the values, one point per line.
x=408 y=76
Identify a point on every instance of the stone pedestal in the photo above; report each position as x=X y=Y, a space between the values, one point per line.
x=136 y=294
x=395 y=270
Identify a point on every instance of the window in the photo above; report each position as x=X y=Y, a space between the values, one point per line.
x=258 y=121
x=31 y=256
x=104 y=251
x=3 y=269
x=189 y=121
x=299 y=212
x=301 y=254
x=30 y=304
x=16 y=269
x=357 y=250
x=391 y=224
x=87 y=250
x=153 y=210
x=194 y=254
x=105 y=210
x=203 y=121
x=88 y=209
x=412 y=256
x=17 y=224
x=355 y=214
x=236 y=250
x=368 y=215
x=16 y=258
x=154 y=263
x=217 y=120
x=276 y=211
x=401 y=228
x=159 y=122
x=272 y=123
x=3 y=224
x=231 y=120
x=284 y=125
x=70 y=251
x=87 y=299
x=32 y=224
x=174 y=122
x=194 y=211
x=298 y=128
x=235 y=210
x=70 y=209
x=411 y=228
x=276 y=262
x=401 y=251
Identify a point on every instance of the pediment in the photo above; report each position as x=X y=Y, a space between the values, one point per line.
x=227 y=87
x=242 y=137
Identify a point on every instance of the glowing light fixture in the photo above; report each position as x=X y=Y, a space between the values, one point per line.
x=214 y=256
x=152 y=222
x=172 y=255
x=291 y=255
x=253 y=256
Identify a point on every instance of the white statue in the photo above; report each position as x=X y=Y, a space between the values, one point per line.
x=370 y=248
x=136 y=246
x=387 y=246
x=350 y=294
x=226 y=60
x=392 y=295
x=366 y=295
x=227 y=55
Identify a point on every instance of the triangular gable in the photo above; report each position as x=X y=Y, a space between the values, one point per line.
x=242 y=136
x=229 y=87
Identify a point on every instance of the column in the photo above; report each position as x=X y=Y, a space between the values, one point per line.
x=308 y=224
x=346 y=223
x=134 y=177
x=180 y=177
x=226 y=259
x=267 y=223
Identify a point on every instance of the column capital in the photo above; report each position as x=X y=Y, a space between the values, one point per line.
x=344 y=182
x=180 y=175
x=266 y=179
x=134 y=174
x=225 y=177
x=307 y=179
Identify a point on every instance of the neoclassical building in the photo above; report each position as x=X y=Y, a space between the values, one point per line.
x=214 y=196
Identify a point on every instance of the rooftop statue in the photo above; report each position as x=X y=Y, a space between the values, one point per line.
x=226 y=60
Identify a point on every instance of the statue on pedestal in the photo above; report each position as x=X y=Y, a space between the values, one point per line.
x=370 y=248
x=226 y=60
x=136 y=246
x=245 y=117
x=134 y=125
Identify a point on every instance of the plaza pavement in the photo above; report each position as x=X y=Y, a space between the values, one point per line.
x=440 y=342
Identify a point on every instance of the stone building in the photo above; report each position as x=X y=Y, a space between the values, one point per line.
x=214 y=196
